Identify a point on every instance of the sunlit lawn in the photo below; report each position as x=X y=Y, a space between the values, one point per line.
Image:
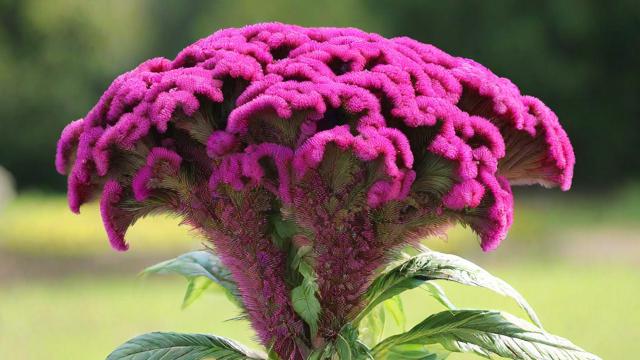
x=597 y=307
x=43 y=225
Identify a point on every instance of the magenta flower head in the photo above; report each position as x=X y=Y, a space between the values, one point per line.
x=347 y=144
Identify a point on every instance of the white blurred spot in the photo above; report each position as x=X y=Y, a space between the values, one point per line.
x=7 y=188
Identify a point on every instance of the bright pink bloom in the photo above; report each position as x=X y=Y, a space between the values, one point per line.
x=161 y=163
x=116 y=221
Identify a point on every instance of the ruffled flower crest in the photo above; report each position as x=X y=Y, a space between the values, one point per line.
x=366 y=144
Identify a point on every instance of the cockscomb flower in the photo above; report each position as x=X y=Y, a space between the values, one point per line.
x=360 y=144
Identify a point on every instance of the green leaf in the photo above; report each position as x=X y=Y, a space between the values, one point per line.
x=394 y=307
x=196 y=287
x=485 y=333
x=198 y=264
x=298 y=260
x=378 y=292
x=322 y=353
x=272 y=355
x=193 y=264
x=175 y=346
x=284 y=228
x=432 y=265
x=348 y=346
x=303 y=296
x=301 y=275
x=306 y=305
x=437 y=293
x=315 y=355
x=371 y=327
x=343 y=348
x=415 y=352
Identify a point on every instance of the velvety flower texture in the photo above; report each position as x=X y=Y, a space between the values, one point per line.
x=366 y=143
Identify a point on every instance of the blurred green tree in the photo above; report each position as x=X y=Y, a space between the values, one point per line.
x=579 y=56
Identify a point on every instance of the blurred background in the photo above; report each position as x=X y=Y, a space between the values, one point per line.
x=576 y=256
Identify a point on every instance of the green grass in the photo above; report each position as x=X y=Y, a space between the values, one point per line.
x=596 y=306
x=36 y=223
